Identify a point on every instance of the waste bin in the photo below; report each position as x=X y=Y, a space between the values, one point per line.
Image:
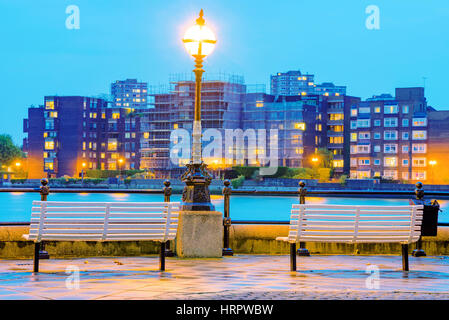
x=429 y=224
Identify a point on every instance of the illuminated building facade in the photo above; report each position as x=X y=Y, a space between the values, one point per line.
x=129 y=93
x=293 y=83
x=389 y=137
x=71 y=133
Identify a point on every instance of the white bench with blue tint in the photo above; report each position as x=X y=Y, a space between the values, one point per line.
x=354 y=224
x=103 y=221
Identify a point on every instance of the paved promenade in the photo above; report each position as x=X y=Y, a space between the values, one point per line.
x=238 y=277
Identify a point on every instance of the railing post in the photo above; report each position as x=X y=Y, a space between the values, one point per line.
x=167 y=193
x=44 y=190
x=302 y=251
x=419 y=194
x=226 y=220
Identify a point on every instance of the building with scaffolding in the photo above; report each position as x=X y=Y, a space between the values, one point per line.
x=222 y=99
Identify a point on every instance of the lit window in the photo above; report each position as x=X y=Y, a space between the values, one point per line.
x=390 y=161
x=116 y=115
x=146 y=135
x=419 y=122
x=338 y=163
x=175 y=126
x=49 y=105
x=391 y=109
x=48 y=165
x=419 y=135
x=49 y=145
x=353 y=136
x=377 y=110
x=112 y=144
x=300 y=126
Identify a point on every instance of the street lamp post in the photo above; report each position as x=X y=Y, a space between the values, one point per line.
x=120 y=162
x=199 y=42
x=82 y=172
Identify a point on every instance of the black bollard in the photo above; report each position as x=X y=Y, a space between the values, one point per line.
x=419 y=195
x=167 y=193
x=302 y=251
x=226 y=220
x=44 y=190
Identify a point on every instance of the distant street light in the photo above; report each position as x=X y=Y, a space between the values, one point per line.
x=199 y=41
x=120 y=162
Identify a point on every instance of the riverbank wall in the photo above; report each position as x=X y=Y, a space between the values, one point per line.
x=244 y=239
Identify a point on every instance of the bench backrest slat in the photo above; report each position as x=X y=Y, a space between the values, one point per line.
x=102 y=221
x=355 y=224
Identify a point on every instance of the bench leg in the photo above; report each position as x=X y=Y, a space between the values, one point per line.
x=162 y=257
x=405 y=257
x=37 y=249
x=292 y=256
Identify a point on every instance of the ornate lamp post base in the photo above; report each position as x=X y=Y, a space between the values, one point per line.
x=196 y=195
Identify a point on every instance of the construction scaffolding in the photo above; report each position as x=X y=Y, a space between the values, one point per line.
x=172 y=107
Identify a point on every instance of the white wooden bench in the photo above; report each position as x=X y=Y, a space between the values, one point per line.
x=354 y=224
x=103 y=221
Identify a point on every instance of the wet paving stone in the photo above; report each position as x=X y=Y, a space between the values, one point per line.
x=238 y=277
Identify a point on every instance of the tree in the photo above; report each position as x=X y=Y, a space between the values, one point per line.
x=8 y=150
x=326 y=156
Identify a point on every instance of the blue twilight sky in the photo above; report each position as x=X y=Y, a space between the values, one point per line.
x=141 y=39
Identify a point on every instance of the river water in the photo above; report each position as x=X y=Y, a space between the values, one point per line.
x=16 y=206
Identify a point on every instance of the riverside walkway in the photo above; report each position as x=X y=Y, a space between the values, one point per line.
x=238 y=277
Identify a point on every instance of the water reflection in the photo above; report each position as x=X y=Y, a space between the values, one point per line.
x=16 y=206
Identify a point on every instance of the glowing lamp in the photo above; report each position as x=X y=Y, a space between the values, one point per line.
x=199 y=40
